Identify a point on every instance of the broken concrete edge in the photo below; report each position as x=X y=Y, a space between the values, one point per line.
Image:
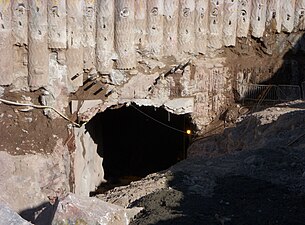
x=89 y=108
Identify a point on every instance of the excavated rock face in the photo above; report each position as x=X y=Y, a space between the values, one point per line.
x=188 y=56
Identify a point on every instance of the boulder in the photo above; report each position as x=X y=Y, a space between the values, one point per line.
x=73 y=209
x=9 y=217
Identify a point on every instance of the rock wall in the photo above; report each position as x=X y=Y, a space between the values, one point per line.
x=88 y=169
x=27 y=180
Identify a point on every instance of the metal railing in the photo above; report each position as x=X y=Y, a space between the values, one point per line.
x=271 y=93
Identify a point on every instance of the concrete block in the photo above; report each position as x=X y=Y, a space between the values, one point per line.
x=124 y=34
x=105 y=36
x=243 y=19
x=273 y=15
x=20 y=68
x=38 y=44
x=170 y=39
x=57 y=22
x=89 y=34
x=20 y=22
x=299 y=16
x=201 y=26
x=6 y=74
x=258 y=18
x=288 y=10
x=216 y=23
x=186 y=28
x=155 y=11
x=74 y=53
x=230 y=22
x=140 y=23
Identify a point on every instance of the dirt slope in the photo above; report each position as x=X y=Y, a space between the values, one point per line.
x=253 y=173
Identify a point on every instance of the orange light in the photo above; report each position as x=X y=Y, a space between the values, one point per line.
x=188 y=132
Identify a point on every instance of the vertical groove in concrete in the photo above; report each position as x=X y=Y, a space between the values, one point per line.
x=170 y=34
x=57 y=22
x=155 y=10
x=288 y=10
x=258 y=18
x=140 y=23
x=105 y=36
x=38 y=44
x=299 y=16
x=201 y=26
x=216 y=23
x=230 y=22
x=273 y=15
x=243 y=17
x=124 y=34
x=74 y=53
x=89 y=34
x=186 y=28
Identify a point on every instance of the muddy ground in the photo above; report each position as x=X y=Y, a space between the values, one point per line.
x=260 y=183
x=26 y=130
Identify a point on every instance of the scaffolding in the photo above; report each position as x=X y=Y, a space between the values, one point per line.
x=269 y=93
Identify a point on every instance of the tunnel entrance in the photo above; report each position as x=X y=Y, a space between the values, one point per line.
x=136 y=141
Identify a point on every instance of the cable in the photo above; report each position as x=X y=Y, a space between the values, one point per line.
x=39 y=107
x=173 y=128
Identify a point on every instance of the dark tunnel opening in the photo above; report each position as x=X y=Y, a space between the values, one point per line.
x=136 y=141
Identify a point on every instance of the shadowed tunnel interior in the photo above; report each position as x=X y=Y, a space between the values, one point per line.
x=135 y=141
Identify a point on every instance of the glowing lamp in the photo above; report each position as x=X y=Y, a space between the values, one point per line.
x=188 y=132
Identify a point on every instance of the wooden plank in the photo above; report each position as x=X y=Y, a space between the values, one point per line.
x=6 y=75
x=258 y=17
x=288 y=10
x=273 y=15
x=57 y=22
x=299 y=16
x=216 y=23
x=124 y=34
x=201 y=26
x=170 y=27
x=140 y=23
x=230 y=22
x=105 y=36
x=38 y=44
x=89 y=34
x=20 y=22
x=243 y=17
x=74 y=53
x=155 y=10
x=186 y=28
